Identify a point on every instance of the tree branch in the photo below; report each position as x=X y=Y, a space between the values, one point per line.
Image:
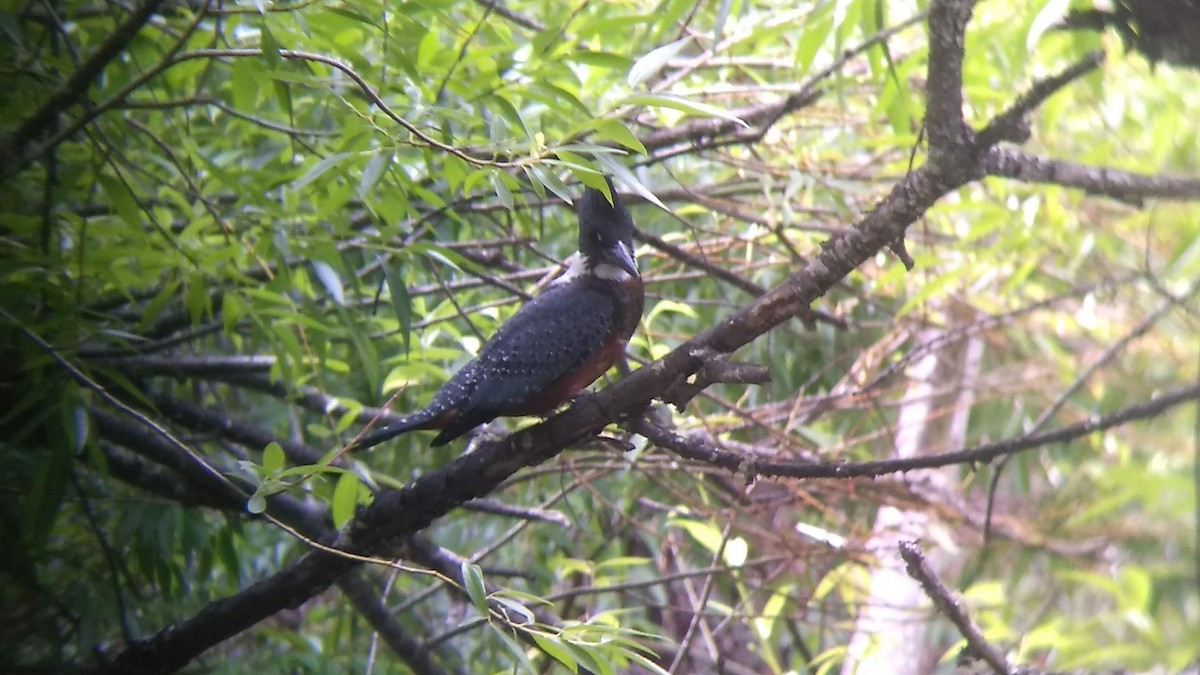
x=1010 y=125
x=364 y=598
x=701 y=450
x=1121 y=185
x=918 y=568
x=944 y=122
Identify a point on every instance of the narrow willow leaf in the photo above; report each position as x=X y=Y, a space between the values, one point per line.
x=627 y=177
x=561 y=94
x=331 y=281
x=44 y=501
x=612 y=130
x=523 y=664
x=591 y=658
x=401 y=302
x=372 y=172
x=764 y=624
x=80 y=427
x=197 y=298
x=270 y=47
x=345 y=498
x=555 y=649
x=683 y=105
x=816 y=32
x=705 y=534
x=502 y=192
x=473 y=584
x=319 y=170
x=719 y=25
x=649 y=65
x=552 y=183
x=364 y=348
x=121 y=200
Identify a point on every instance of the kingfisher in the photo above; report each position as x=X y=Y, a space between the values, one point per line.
x=557 y=344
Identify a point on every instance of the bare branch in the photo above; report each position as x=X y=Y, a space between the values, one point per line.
x=701 y=450
x=944 y=122
x=1010 y=125
x=918 y=569
x=1121 y=185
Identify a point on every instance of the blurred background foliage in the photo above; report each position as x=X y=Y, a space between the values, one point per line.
x=235 y=221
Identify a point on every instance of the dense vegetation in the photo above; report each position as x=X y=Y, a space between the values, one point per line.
x=234 y=234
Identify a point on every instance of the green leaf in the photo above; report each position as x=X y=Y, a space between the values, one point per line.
x=645 y=663
x=473 y=584
x=273 y=458
x=331 y=281
x=765 y=623
x=555 y=649
x=509 y=112
x=256 y=504
x=427 y=50
x=245 y=82
x=319 y=170
x=372 y=172
x=345 y=498
x=364 y=348
x=270 y=47
x=614 y=131
x=46 y=492
x=681 y=104
x=197 y=298
x=552 y=183
x=816 y=32
x=649 y=65
x=562 y=94
x=523 y=664
x=121 y=200
x=591 y=658
x=627 y=177
x=233 y=308
x=623 y=562
x=401 y=302
x=705 y=534
x=502 y=192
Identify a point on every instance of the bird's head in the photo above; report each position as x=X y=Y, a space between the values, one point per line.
x=605 y=234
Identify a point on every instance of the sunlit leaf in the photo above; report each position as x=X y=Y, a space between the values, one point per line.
x=272 y=458
x=345 y=498
x=555 y=649
x=649 y=65
x=331 y=281
x=682 y=104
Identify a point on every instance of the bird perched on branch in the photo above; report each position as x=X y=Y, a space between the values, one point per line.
x=557 y=344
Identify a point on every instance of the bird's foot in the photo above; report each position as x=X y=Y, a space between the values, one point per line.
x=488 y=432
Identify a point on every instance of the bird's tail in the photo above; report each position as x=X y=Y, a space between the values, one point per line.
x=414 y=422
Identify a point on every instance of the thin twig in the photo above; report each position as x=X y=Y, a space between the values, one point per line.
x=918 y=568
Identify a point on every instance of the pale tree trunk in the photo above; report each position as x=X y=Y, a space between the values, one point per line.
x=892 y=633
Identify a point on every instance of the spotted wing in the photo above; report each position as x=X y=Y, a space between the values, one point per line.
x=549 y=338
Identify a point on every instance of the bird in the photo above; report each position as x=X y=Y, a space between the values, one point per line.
x=556 y=344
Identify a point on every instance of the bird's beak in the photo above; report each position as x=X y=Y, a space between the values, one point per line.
x=622 y=256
